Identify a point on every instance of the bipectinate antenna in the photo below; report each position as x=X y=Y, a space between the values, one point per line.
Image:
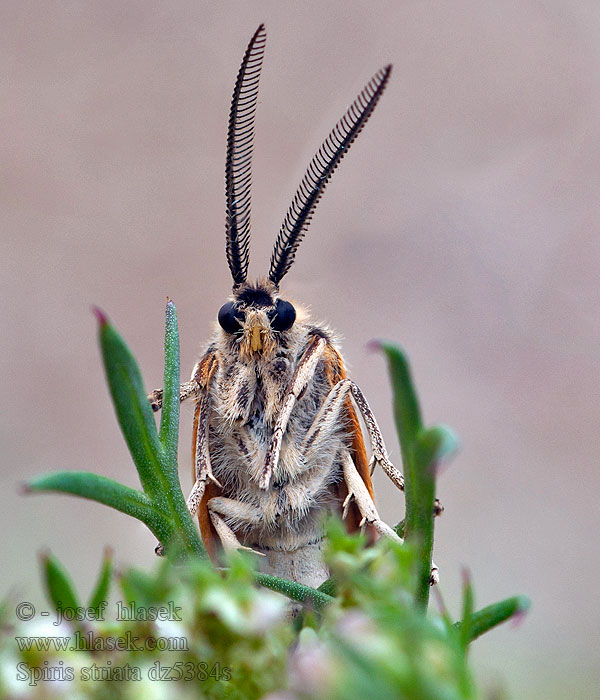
x=238 y=165
x=319 y=172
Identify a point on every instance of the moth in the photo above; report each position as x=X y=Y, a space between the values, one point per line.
x=277 y=439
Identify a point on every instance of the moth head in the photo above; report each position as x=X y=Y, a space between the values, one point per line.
x=256 y=320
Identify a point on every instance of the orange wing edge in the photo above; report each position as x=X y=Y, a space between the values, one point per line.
x=335 y=371
x=203 y=375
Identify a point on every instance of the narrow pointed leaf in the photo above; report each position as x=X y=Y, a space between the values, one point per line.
x=186 y=539
x=406 y=403
x=443 y=610
x=421 y=533
x=485 y=619
x=407 y=415
x=295 y=591
x=431 y=446
x=466 y=626
x=327 y=587
x=141 y=587
x=59 y=586
x=422 y=450
x=400 y=528
x=169 y=419
x=157 y=468
x=103 y=490
x=102 y=587
x=436 y=444
x=131 y=405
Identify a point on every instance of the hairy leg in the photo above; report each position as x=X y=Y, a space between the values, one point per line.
x=220 y=509
x=304 y=372
x=357 y=491
x=186 y=390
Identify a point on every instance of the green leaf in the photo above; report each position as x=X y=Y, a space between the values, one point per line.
x=295 y=591
x=100 y=592
x=144 y=588
x=107 y=491
x=406 y=403
x=400 y=528
x=466 y=626
x=131 y=405
x=161 y=506
x=185 y=529
x=436 y=444
x=327 y=587
x=443 y=611
x=407 y=416
x=59 y=586
x=431 y=447
x=169 y=419
x=422 y=450
x=487 y=618
x=157 y=468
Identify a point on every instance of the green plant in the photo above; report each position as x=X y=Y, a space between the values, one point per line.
x=364 y=633
x=161 y=504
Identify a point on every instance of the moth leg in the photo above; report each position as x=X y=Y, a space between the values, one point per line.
x=186 y=390
x=232 y=510
x=302 y=375
x=225 y=533
x=380 y=455
x=327 y=419
x=330 y=413
x=202 y=467
x=199 y=380
x=358 y=491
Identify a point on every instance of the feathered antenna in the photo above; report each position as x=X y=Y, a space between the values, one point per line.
x=238 y=165
x=319 y=172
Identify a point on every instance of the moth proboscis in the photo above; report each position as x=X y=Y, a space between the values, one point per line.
x=277 y=439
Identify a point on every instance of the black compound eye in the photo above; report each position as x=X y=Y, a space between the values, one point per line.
x=230 y=318
x=283 y=316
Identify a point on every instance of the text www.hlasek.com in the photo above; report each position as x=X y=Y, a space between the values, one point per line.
x=91 y=642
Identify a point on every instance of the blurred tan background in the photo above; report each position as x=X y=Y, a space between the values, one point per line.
x=464 y=225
